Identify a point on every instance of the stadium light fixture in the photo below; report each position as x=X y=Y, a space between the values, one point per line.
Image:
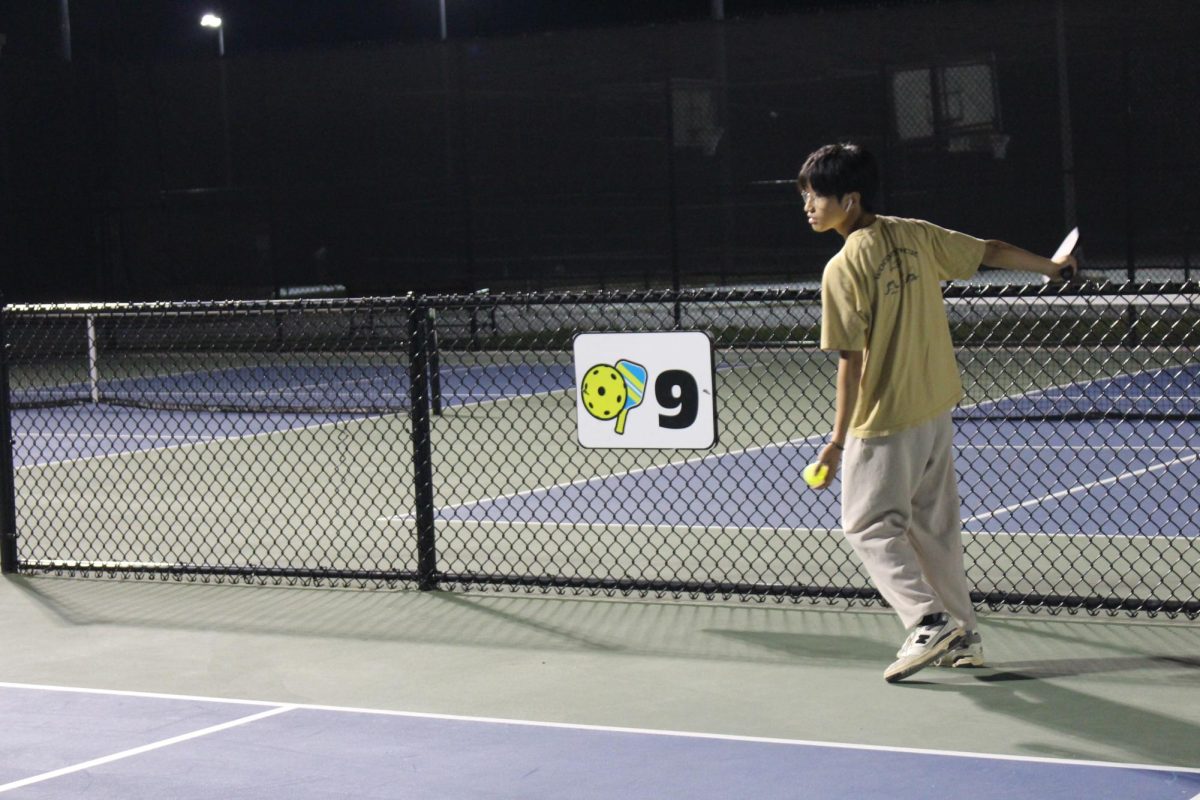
x=213 y=21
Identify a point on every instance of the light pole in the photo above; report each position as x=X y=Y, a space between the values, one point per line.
x=213 y=21
x=64 y=26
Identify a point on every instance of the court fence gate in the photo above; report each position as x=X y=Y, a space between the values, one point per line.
x=437 y=442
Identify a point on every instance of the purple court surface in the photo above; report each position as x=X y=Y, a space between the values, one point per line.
x=127 y=746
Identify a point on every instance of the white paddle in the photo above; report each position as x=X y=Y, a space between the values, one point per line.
x=1066 y=248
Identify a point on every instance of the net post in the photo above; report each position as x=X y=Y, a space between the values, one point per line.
x=422 y=439
x=8 y=504
x=93 y=359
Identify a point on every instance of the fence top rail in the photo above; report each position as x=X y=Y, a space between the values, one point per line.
x=720 y=295
x=483 y=299
x=1128 y=289
x=205 y=307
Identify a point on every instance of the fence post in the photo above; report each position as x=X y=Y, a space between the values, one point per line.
x=422 y=439
x=8 y=503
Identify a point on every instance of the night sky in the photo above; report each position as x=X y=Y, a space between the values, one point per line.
x=136 y=30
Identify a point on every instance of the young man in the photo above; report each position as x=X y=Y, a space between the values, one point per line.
x=897 y=383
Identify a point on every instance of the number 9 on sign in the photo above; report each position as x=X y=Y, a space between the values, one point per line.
x=645 y=390
x=676 y=390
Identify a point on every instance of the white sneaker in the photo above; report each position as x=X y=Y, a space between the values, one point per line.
x=967 y=653
x=933 y=636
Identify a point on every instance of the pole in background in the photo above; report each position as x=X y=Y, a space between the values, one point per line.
x=718 y=10
x=442 y=18
x=1129 y=176
x=213 y=21
x=673 y=203
x=64 y=25
x=1064 y=119
x=93 y=358
x=435 y=364
x=8 y=503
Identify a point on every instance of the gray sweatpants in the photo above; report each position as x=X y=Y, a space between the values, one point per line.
x=900 y=512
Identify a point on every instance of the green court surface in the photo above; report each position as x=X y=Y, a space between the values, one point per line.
x=338 y=494
x=1105 y=689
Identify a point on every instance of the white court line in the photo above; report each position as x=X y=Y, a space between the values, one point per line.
x=634 y=526
x=281 y=707
x=637 y=527
x=108 y=437
x=757 y=448
x=610 y=475
x=1086 y=487
x=1076 y=447
x=174 y=446
x=97 y=762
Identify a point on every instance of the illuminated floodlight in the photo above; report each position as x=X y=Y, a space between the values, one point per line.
x=214 y=22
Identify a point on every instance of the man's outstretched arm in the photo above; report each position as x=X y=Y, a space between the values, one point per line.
x=1003 y=255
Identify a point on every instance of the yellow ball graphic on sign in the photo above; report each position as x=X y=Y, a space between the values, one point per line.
x=603 y=391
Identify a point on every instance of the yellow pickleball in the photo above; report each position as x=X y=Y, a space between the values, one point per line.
x=603 y=391
x=814 y=475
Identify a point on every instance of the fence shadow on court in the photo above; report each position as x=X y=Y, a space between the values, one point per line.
x=750 y=633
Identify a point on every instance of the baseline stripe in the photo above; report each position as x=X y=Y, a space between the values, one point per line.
x=615 y=729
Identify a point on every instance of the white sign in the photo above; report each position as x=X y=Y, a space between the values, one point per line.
x=646 y=390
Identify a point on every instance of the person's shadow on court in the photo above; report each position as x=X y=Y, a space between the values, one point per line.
x=1028 y=692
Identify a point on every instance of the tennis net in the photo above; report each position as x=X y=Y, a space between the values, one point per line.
x=305 y=357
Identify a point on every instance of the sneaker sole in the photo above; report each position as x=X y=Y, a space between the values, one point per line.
x=895 y=673
x=961 y=661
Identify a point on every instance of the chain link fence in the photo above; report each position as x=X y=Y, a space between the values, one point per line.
x=432 y=442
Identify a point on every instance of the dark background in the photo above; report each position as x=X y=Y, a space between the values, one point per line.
x=617 y=144
x=168 y=29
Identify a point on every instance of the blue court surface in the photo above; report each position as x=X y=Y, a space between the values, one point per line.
x=127 y=746
x=751 y=488
x=56 y=434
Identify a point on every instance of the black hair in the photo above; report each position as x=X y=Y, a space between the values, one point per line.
x=835 y=170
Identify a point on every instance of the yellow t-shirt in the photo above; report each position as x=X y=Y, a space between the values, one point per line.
x=882 y=294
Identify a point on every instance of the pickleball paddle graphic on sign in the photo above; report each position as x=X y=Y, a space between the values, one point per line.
x=612 y=391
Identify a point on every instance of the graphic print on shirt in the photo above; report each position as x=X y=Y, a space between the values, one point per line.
x=893 y=271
